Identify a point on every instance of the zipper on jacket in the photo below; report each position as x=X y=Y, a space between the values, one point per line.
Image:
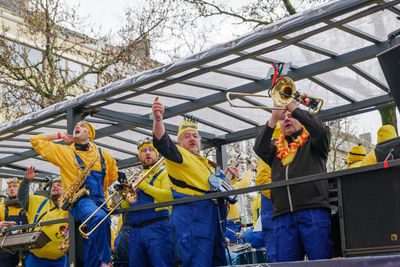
x=288 y=189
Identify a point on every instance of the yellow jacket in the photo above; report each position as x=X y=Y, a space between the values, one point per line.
x=356 y=164
x=263 y=176
x=385 y=132
x=194 y=170
x=161 y=188
x=233 y=211
x=256 y=208
x=12 y=211
x=63 y=156
x=50 y=250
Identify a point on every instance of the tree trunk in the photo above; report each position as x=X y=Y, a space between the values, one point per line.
x=388 y=116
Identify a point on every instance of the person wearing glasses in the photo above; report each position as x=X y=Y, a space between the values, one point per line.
x=72 y=161
x=42 y=209
x=199 y=235
x=150 y=238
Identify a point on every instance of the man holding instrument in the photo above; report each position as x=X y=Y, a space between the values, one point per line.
x=199 y=235
x=101 y=173
x=301 y=212
x=41 y=209
x=150 y=238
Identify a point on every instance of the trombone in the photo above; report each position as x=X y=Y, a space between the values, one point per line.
x=282 y=93
x=128 y=193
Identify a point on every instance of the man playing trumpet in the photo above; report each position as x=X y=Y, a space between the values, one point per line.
x=73 y=160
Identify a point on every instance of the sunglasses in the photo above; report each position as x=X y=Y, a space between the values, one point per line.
x=146 y=140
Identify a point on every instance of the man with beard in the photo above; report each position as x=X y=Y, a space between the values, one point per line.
x=150 y=238
x=72 y=161
x=301 y=212
x=11 y=213
x=196 y=224
x=41 y=209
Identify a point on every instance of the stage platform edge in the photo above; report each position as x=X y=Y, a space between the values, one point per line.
x=370 y=261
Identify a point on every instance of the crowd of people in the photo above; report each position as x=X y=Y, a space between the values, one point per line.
x=295 y=219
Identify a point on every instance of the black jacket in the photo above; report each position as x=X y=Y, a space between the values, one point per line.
x=310 y=159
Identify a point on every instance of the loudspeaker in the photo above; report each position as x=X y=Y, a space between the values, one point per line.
x=369 y=212
x=390 y=64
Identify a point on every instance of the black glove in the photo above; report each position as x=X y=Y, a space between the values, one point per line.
x=122 y=177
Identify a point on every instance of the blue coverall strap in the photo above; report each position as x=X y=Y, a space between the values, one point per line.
x=103 y=166
x=155 y=176
x=6 y=213
x=40 y=209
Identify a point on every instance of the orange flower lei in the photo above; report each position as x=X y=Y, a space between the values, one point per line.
x=282 y=151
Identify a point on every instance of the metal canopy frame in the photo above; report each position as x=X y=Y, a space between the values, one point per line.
x=338 y=39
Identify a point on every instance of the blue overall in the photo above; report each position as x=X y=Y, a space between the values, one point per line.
x=96 y=249
x=35 y=261
x=267 y=210
x=198 y=233
x=11 y=259
x=303 y=232
x=121 y=244
x=232 y=226
x=150 y=238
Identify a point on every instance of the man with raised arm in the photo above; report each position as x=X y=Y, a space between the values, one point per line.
x=42 y=209
x=199 y=235
x=301 y=212
x=73 y=160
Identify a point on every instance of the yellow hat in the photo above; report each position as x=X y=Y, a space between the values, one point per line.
x=187 y=125
x=356 y=153
x=92 y=131
x=277 y=131
x=386 y=132
x=145 y=142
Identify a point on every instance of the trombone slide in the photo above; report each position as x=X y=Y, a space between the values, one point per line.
x=229 y=94
x=131 y=191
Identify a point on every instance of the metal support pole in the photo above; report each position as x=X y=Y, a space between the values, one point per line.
x=75 y=250
x=75 y=239
x=73 y=116
x=222 y=156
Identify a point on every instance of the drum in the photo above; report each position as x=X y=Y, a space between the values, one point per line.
x=235 y=250
x=252 y=255
x=238 y=248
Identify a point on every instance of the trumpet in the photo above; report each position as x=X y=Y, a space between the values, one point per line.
x=127 y=192
x=282 y=93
